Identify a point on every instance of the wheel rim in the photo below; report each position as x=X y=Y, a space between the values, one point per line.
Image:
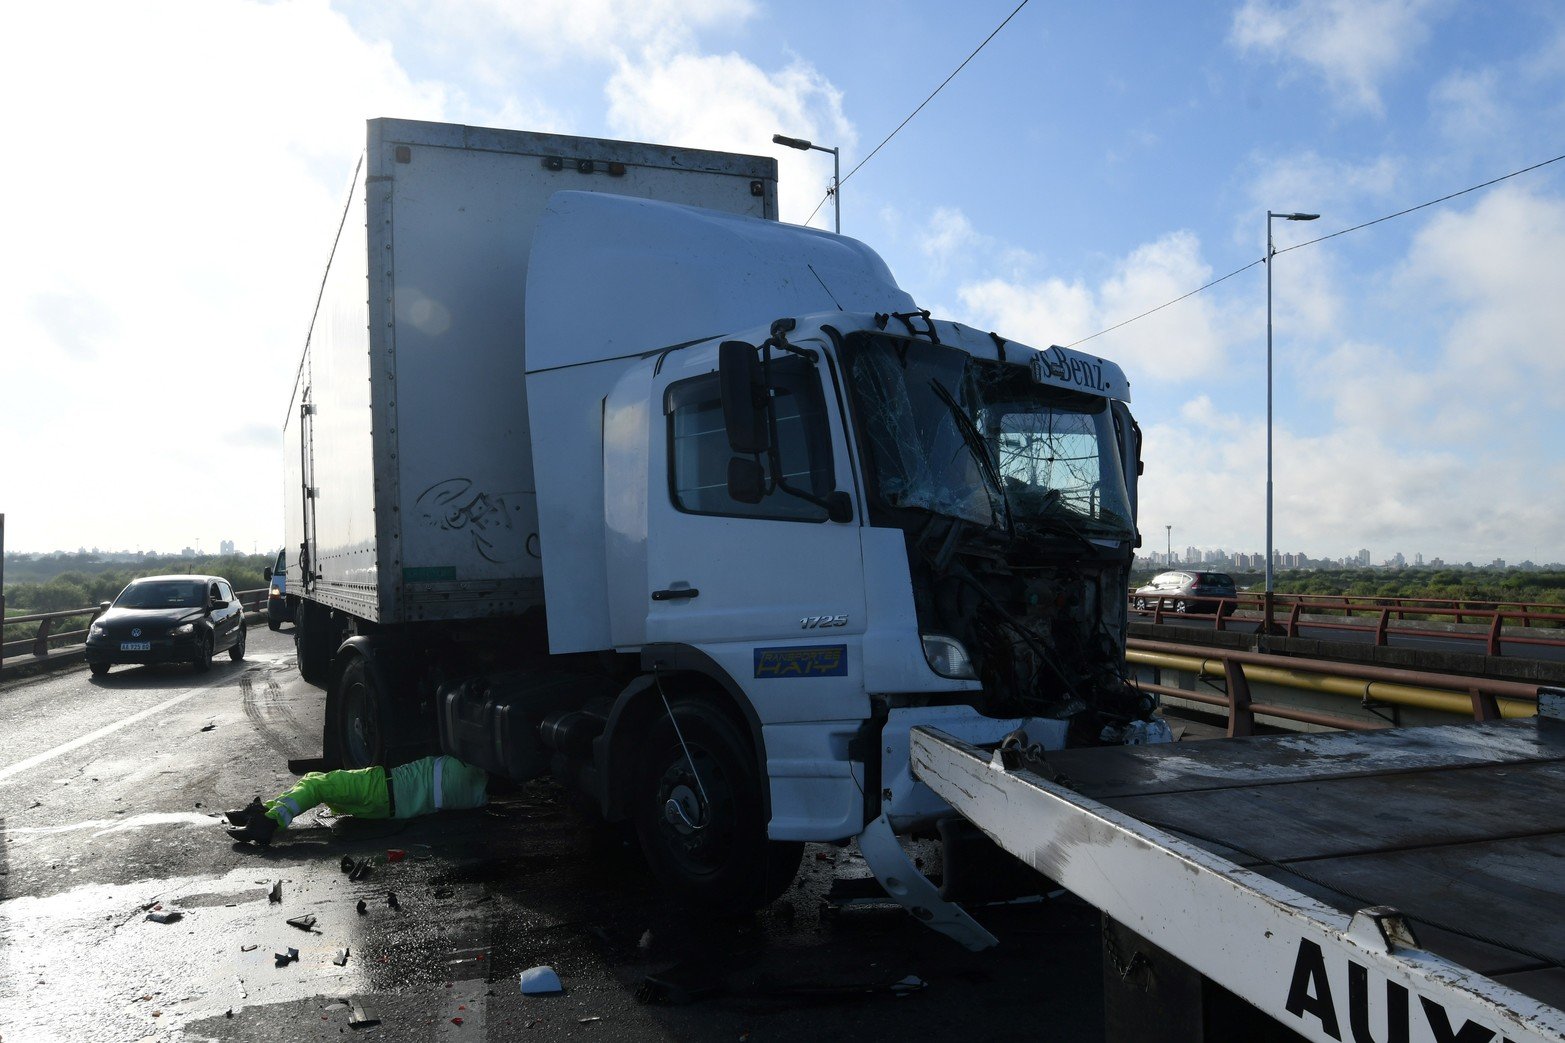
x=1179 y=606
x=697 y=834
x=361 y=733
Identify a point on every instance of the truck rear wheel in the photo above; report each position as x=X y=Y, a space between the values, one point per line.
x=700 y=817
x=360 y=732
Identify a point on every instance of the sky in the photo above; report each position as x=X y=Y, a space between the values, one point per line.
x=175 y=170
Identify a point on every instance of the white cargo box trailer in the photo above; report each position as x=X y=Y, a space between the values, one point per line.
x=408 y=488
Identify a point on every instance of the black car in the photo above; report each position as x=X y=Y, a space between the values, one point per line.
x=1189 y=591
x=168 y=619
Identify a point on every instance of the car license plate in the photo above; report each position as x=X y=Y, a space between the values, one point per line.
x=135 y=646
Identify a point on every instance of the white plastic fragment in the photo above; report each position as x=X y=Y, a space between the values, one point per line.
x=539 y=981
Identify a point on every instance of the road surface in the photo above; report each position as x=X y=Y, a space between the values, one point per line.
x=109 y=792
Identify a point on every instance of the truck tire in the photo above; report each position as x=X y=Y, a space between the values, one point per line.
x=361 y=735
x=710 y=852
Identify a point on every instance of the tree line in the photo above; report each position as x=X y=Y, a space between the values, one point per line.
x=1444 y=584
x=88 y=583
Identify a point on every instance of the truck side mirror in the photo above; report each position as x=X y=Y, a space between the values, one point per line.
x=746 y=480
x=266 y=574
x=744 y=398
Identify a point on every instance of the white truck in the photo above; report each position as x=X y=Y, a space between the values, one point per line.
x=595 y=468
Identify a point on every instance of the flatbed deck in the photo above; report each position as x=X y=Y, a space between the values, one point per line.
x=1199 y=847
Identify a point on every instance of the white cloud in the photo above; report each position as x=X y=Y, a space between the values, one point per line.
x=1467 y=105
x=1493 y=272
x=165 y=238
x=1352 y=44
x=1314 y=183
x=724 y=101
x=1184 y=342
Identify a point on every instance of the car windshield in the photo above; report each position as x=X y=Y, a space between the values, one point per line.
x=984 y=442
x=174 y=593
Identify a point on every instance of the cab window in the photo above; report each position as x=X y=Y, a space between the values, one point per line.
x=699 y=450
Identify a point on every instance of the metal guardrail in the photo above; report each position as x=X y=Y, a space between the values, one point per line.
x=1493 y=636
x=1485 y=699
x=46 y=637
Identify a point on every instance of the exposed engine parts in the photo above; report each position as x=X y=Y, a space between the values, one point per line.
x=1040 y=627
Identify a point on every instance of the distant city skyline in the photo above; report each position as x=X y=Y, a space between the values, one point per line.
x=1217 y=557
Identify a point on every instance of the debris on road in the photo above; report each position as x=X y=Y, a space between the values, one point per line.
x=361 y=1018
x=391 y=900
x=277 y=892
x=304 y=923
x=912 y=983
x=363 y=907
x=395 y=854
x=286 y=957
x=158 y=914
x=341 y=959
x=252 y=947
x=208 y=727
x=540 y=981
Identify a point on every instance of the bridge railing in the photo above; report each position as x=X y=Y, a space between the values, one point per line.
x=47 y=633
x=1486 y=622
x=1481 y=698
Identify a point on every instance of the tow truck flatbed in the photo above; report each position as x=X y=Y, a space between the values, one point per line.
x=1395 y=885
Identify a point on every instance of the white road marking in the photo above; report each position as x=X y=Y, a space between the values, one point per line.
x=107 y=729
x=105 y=826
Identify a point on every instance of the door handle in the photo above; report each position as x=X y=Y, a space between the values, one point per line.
x=676 y=594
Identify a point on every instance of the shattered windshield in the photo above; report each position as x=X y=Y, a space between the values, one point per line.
x=982 y=441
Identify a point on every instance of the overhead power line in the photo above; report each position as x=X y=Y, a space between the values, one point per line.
x=920 y=108
x=1312 y=242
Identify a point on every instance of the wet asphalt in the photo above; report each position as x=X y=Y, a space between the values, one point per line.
x=110 y=792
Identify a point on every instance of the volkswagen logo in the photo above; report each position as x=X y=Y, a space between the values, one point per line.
x=135 y=632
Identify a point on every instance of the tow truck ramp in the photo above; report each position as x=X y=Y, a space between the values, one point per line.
x=1396 y=886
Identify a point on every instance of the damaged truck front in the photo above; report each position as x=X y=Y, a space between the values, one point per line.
x=763 y=516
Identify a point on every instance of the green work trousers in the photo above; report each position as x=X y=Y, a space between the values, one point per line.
x=360 y=792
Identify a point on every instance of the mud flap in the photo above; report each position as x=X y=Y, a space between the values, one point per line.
x=912 y=890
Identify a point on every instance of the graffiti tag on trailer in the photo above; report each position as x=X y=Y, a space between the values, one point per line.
x=454 y=505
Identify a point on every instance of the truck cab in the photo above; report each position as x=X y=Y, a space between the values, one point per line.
x=827 y=529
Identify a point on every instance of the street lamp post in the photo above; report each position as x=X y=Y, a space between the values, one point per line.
x=836 y=180
x=1271 y=252
x=1169 y=549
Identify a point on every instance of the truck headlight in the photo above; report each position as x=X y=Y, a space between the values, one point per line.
x=948 y=658
x=274 y=592
x=184 y=631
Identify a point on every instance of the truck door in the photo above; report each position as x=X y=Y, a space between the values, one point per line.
x=774 y=590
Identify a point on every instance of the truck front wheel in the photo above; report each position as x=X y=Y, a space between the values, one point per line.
x=699 y=815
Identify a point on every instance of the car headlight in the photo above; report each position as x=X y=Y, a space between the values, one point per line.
x=96 y=630
x=948 y=658
x=184 y=631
